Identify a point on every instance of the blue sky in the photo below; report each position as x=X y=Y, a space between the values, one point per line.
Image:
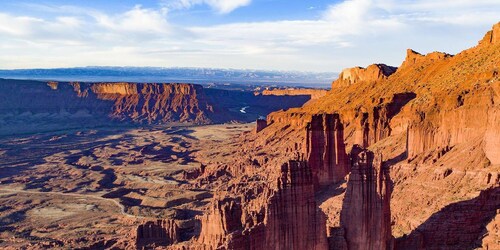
x=306 y=35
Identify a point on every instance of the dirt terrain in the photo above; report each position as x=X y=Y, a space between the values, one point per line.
x=390 y=158
x=81 y=188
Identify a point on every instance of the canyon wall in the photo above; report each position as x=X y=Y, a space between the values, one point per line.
x=158 y=233
x=30 y=106
x=284 y=216
x=356 y=75
x=313 y=93
x=366 y=211
x=326 y=152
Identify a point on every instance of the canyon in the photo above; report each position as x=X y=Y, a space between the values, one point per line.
x=31 y=106
x=389 y=158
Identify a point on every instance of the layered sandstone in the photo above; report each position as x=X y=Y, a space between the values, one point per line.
x=284 y=216
x=366 y=214
x=313 y=93
x=356 y=75
x=221 y=224
x=33 y=106
x=326 y=152
x=293 y=220
x=158 y=233
x=436 y=122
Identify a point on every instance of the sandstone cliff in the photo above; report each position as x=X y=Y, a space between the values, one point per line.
x=313 y=93
x=366 y=211
x=27 y=106
x=370 y=74
x=326 y=153
x=435 y=122
x=158 y=233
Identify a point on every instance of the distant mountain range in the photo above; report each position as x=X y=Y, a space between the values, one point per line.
x=158 y=74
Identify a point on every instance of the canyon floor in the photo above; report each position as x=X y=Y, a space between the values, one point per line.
x=88 y=188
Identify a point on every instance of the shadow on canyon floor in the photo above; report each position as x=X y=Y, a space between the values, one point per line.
x=460 y=225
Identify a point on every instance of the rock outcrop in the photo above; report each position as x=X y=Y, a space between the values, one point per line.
x=293 y=219
x=157 y=233
x=326 y=153
x=313 y=93
x=356 y=75
x=366 y=214
x=24 y=105
x=261 y=124
x=284 y=216
x=221 y=225
x=492 y=36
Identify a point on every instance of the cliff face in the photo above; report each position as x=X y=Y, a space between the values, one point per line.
x=366 y=214
x=267 y=220
x=435 y=120
x=294 y=220
x=55 y=105
x=356 y=75
x=326 y=149
x=313 y=93
x=161 y=232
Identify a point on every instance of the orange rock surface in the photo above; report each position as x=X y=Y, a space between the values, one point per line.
x=431 y=182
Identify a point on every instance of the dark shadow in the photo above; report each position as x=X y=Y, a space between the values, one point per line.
x=395 y=160
x=460 y=225
x=108 y=179
x=398 y=101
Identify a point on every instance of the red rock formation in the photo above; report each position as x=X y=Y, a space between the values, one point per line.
x=293 y=219
x=326 y=149
x=492 y=36
x=261 y=124
x=356 y=75
x=157 y=102
x=313 y=93
x=284 y=217
x=158 y=233
x=221 y=223
x=413 y=57
x=366 y=215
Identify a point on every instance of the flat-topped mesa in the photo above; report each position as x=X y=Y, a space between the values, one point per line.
x=161 y=232
x=371 y=73
x=326 y=155
x=313 y=93
x=492 y=36
x=413 y=57
x=366 y=215
x=115 y=88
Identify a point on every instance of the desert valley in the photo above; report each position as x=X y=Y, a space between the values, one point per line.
x=232 y=125
x=389 y=158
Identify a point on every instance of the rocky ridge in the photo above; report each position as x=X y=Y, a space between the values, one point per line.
x=415 y=160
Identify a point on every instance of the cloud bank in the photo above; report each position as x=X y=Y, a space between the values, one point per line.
x=348 y=33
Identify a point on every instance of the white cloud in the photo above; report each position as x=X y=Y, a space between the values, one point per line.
x=352 y=32
x=137 y=19
x=221 y=6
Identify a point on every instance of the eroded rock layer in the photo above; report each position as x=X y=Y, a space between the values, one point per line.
x=435 y=121
x=366 y=214
x=326 y=149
